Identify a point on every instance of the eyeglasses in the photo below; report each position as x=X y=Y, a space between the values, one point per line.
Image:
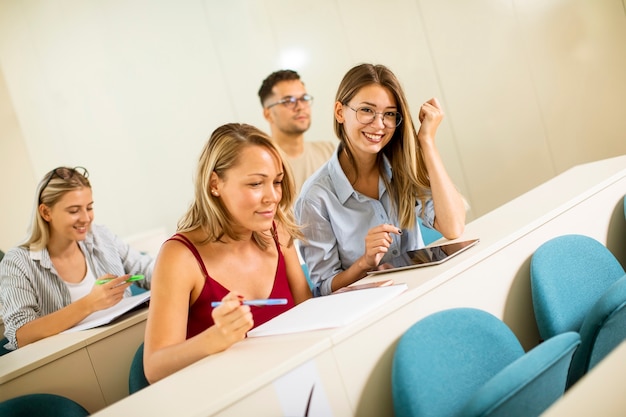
x=291 y=102
x=366 y=115
x=65 y=174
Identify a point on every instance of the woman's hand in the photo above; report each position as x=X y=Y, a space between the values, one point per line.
x=108 y=294
x=430 y=116
x=232 y=319
x=377 y=242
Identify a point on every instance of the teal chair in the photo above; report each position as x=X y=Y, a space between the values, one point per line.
x=429 y=235
x=136 y=289
x=137 y=378
x=41 y=405
x=467 y=362
x=578 y=285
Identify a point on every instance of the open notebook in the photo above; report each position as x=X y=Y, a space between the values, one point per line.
x=102 y=317
x=330 y=311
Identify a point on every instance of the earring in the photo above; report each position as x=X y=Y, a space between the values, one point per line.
x=215 y=193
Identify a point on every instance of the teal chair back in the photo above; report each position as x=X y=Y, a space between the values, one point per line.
x=137 y=378
x=603 y=329
x=568 y=274
x=429 y=235
x=577 y=285
x=467 y=362
x=48 y=405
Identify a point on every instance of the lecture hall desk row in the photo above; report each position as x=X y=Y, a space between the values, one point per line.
x=349 y=368
x=90 y=366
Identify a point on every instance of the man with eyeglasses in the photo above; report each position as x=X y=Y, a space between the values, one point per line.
x=287 y=109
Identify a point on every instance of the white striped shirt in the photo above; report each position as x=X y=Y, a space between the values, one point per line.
x=31 y=288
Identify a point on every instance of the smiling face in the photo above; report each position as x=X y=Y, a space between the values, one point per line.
x=71 y=216
x=252 y=189
x=371 y=138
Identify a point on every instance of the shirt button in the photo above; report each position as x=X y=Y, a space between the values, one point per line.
x=395 y=252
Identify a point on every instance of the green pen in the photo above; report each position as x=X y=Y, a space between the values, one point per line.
x=132 y=278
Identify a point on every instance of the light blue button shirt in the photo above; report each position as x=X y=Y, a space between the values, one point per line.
x=335 y=220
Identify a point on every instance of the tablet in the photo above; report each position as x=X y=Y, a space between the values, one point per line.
x=433 y=255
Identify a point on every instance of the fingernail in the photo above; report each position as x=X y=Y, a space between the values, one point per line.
x=400 y=231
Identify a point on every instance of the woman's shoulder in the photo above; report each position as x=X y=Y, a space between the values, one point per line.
x=180 y=244
x=317 y=185
x=16 y=252
x=17 y=257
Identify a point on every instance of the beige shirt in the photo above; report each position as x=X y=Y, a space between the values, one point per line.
x=315 y=154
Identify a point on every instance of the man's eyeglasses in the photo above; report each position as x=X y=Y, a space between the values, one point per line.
x=291 y=102
x=366 y=115
x=65 y=174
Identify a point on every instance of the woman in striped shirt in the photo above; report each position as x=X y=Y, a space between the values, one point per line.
x=48 y=283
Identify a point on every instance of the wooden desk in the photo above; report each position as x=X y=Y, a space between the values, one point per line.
x=91 y=367
x=352 y=364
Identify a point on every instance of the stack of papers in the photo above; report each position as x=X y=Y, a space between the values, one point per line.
x=329 y=311
x=102 y=317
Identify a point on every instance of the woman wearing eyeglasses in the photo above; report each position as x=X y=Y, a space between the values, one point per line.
x=362 y=207
x=49 y=282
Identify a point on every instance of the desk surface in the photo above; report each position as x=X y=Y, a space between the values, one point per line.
x=488 y=276
x=35 y=355
x=94 y=364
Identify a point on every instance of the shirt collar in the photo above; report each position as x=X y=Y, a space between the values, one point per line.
x=43 y=256
x=342 y=186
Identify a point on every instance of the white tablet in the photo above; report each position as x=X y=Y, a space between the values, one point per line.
x=433 y=255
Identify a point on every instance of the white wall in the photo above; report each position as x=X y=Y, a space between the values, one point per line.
x=132 y=89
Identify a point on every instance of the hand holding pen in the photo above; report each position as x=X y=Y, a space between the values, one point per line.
x=232 y=319
x=377 y=243
x=108 y=291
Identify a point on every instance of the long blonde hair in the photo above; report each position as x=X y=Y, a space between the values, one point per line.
x=52 y=187
x=410 y=177
x=220 y=154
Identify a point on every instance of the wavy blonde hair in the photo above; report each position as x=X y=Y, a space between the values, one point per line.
x=410 y=177
x=220 y=154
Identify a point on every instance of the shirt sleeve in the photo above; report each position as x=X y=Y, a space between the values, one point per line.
x=428 y=216
x=18 y=297
x=319 y=247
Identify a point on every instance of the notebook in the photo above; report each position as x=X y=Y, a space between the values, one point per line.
x=329 y=311
x=433 y=255
x=106 y=316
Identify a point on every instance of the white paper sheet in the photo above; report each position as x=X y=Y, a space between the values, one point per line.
x=301 y=392
x=328 y=311
x=106 y=316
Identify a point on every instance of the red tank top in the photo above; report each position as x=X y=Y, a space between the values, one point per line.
x=200 y=317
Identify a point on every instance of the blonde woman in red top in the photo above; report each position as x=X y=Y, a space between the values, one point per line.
x=235 y=243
